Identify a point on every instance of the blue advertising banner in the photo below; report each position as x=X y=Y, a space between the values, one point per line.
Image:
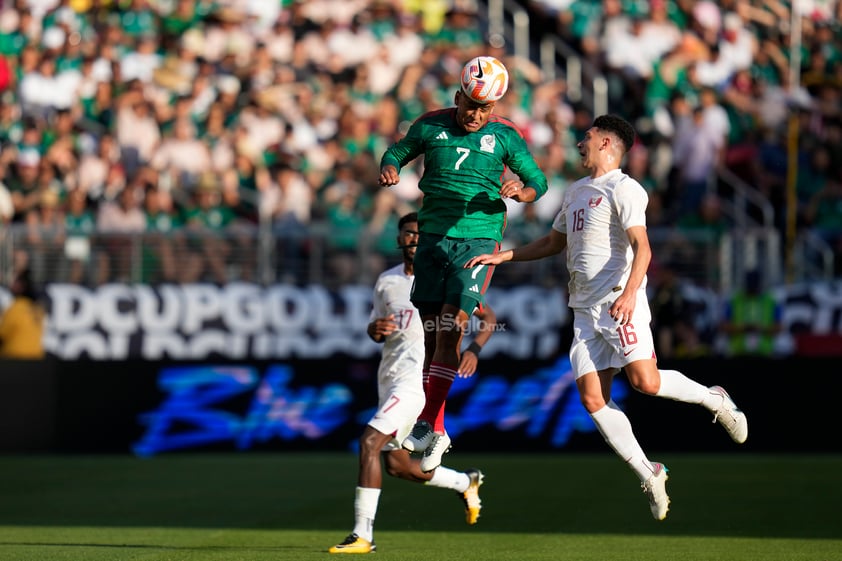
x=150 y=408
x=246 y=407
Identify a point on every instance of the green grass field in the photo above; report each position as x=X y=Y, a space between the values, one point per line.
x=254 y=507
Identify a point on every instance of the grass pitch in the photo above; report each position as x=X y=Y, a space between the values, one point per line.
x=254 y=507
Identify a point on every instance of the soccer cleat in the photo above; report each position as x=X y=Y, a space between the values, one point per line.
x=432 y=455
x=420 y=438
x=354 y=544
x=656 y=491
x=470 y=497
x=730 y=417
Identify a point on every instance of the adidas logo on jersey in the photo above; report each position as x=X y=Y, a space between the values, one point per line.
x=474 y=288
x=441 y=136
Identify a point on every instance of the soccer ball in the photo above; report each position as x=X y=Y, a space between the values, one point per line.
x=484 y=79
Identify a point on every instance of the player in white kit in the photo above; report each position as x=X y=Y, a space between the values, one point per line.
x=602 y=224
x=396 y=323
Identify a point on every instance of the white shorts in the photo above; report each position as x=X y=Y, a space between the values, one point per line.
x=401 y=401
x=600 y=343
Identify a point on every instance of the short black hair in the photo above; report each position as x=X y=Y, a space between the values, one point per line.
x=619 y=126
x=410 y=217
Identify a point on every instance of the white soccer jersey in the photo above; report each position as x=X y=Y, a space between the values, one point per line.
x=403 y=350
x=595 y=215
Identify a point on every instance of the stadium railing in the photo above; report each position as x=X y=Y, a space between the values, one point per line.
x=312 y=255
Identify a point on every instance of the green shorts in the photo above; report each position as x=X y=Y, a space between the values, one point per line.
x=440 y=276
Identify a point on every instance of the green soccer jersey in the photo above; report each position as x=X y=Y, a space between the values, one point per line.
x=463 y=173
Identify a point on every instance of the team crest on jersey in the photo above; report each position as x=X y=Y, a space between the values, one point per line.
x=487 y=143
x=594 y=202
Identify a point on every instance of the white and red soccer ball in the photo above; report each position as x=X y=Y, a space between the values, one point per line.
x=484 y=79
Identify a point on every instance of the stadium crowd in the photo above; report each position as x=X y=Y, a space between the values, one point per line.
x=710 y=84
x=198 y=122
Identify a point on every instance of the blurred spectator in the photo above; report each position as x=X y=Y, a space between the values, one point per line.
x=23 y=322
x=203 y=93
x=628 y=56
x=205 y=222
x=660 y=33
x=667 y=309
x=115 y=182
x=353 y=45
x=824 y=212
x=11 y=125
x=287 y=201
x=752 y=319
x=121 y=220
x=17 y=30
x=528 y=226
x=737 y=45
x=524 y=228
x=386 y=209
x=639 y=166
x=238 y=195
x=45 y=235
x=94 y=165
x=7 y=207
x=460 y=30
x=430 y=12
x=696 y=240
x=346 y=207
x=813 y=178
x=279 y=39
x=61 y=140
x=227 y=35
x=80 y=229
x=182 y=156
x=139 y=19
x=184 y=16
x=698 y=150
x=706 y=221
x=672 y=77
x=44 y=89
x=673 y=317
x=138 y=134
x=381 y=72
x=23 y=182
x=404 y=43
x=713 y=114
x=163 y=243
x=98 y=106
x=140 y=63
x=258 y=128
x=179 y=109
x=381 y=19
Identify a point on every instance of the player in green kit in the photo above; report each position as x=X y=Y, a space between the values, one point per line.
x=467 y=150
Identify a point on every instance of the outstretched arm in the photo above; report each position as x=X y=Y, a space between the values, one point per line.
x=551 y=244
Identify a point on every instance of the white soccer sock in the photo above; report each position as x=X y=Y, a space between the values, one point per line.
x=677 y=386
x=447 y=478
x=617 y=432
x=365 y=508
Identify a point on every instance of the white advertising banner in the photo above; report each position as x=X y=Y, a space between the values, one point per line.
x=248 y=321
